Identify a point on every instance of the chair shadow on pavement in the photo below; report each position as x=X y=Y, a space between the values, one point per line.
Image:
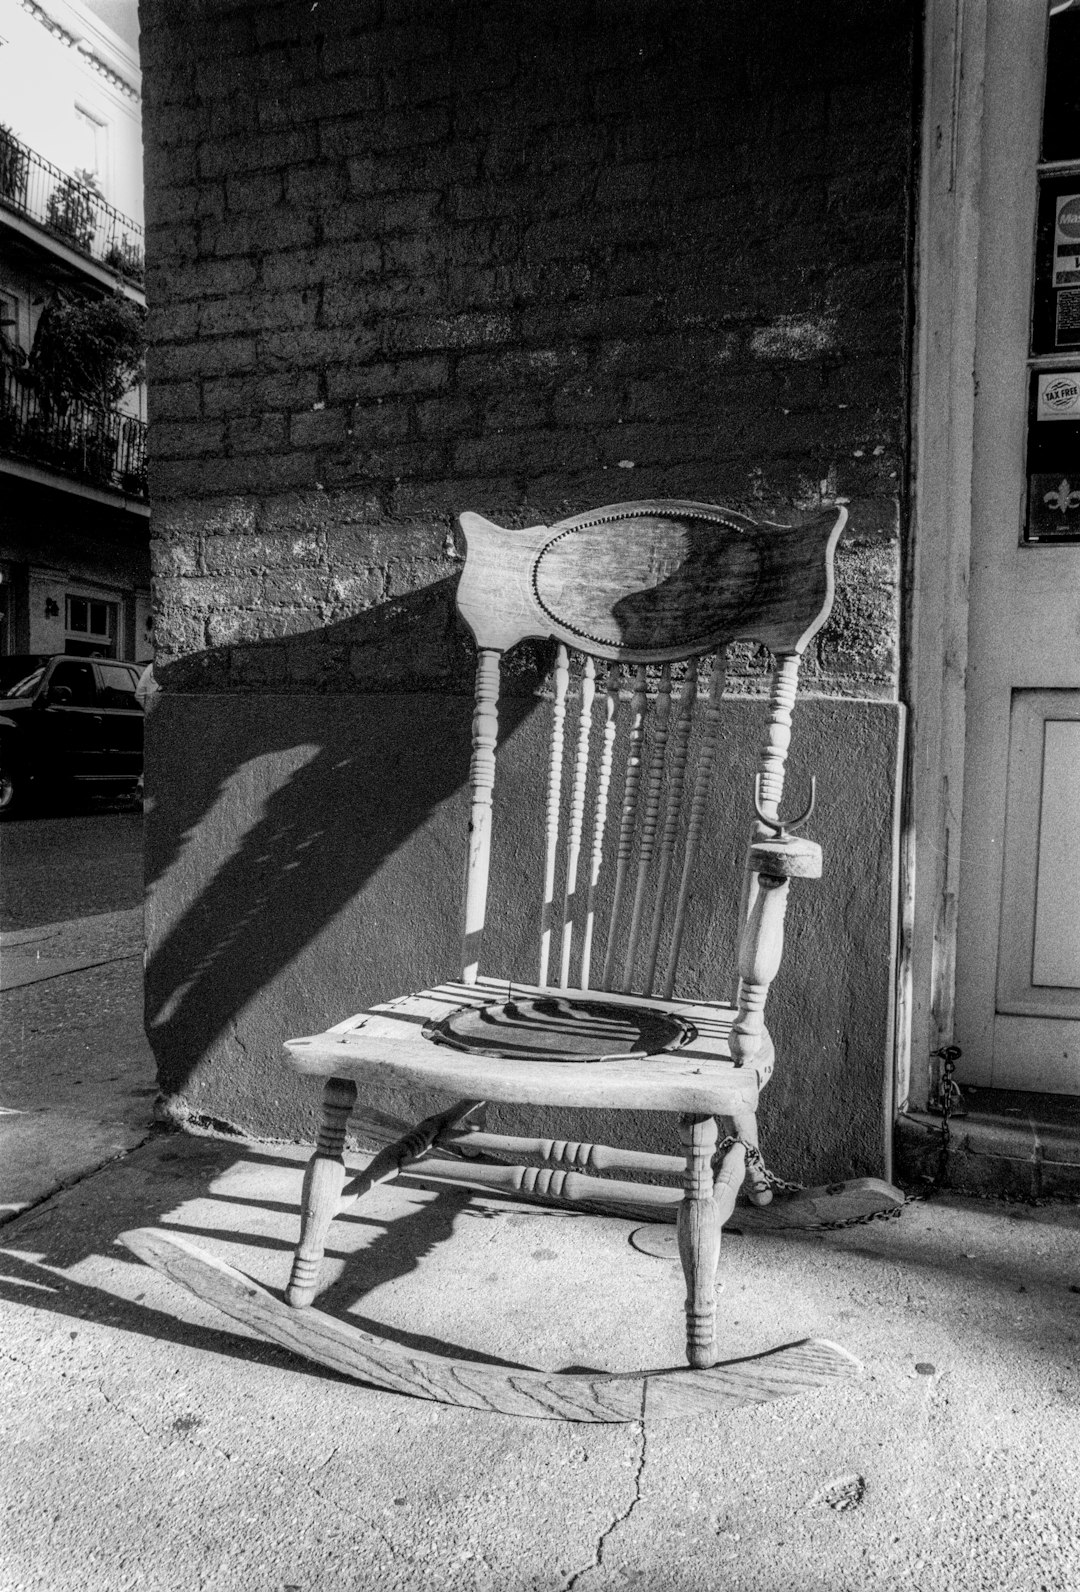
x=62 y=1258
x=397 y=1249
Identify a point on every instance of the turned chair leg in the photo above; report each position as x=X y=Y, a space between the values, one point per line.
x=699 y=1228
x=323 y=1183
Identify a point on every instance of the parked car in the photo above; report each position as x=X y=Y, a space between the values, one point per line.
x=69 y=725
x=15 y=666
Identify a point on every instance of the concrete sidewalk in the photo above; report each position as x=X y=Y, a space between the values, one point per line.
x=77 y=1084
x=151 y=1444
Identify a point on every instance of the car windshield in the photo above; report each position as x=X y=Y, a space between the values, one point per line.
x=26 y=686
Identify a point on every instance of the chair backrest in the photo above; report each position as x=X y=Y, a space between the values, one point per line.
x=634 y=588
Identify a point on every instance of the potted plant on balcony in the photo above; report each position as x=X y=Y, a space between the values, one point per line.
x=88 y=349
x=70 y=209
x=125 y=258
x=13 y=383
x=86 y=354
x=14 y=166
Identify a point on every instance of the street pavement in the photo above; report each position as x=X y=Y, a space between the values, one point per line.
x=77 y=1080
x=151 y=1445
x=65 y=866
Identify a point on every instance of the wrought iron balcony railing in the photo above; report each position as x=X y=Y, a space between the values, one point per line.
x=69 y=209
x=99 y=447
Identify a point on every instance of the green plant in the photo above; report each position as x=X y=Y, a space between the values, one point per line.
x=12 y=356
x=70 y=210
x=14 y=165
x=98 y=451
x=9 y=421
x=125 y=257
x=87 y=349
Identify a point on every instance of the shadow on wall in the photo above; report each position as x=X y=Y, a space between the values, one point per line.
x=272 y=811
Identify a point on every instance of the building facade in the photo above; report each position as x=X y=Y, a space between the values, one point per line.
x=416 y=258
x=74 y=554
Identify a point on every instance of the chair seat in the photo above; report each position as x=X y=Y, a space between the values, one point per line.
x=501 y=1041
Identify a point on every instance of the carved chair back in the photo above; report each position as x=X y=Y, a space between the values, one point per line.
x=640 y=592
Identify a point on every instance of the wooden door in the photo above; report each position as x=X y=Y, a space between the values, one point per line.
x=1017 y=1012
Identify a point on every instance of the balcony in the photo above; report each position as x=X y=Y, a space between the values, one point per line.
x=100 y=448
x=77 y=218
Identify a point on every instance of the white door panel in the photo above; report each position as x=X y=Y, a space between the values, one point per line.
x=1017 y=1008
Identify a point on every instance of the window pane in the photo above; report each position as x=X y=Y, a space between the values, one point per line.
x=79 y=680
x=76 y=613
x=118 y=687
x=89 y=138
x=1061 y=108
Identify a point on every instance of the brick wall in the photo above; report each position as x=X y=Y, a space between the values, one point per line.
x=409 y=258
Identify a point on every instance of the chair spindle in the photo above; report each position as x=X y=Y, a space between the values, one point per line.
x=648 y=823
x=696 y=821
x=772 y=760
x=577 y=818
x=485 y=729
x=603 y=785
x=672 y=812
x=554 y=805
x=785 y=682
x=628 y=820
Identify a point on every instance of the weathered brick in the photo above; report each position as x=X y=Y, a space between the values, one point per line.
x=171 y=322
x=519 y=367
x=254 y=190
x=185 y=439
x=320 y=185
x=426 y=373
x=383 y=463
x=239 y=554
x=209 y=357
x=318 y=428
x=257 y=311
x=257 y=433
x=178 y=400
x=554 y=249
x=360 y=590
x=365 y=218
x=450 y=331
x=328 y=97
x=313 y=346
x=205 y=279
x=169 y=559
x=353 y=261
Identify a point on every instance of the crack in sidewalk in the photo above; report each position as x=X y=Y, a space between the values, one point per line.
x=619 y=1520
x=10 y=1215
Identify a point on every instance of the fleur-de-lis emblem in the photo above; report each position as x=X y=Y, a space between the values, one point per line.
x=1065 y=498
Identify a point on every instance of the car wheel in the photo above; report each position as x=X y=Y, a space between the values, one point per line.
x=12 y=785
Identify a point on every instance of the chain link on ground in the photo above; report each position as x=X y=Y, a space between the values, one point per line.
x=781 y=1185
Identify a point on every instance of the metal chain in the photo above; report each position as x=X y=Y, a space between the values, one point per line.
x=782 y=1186
x=949 y=1096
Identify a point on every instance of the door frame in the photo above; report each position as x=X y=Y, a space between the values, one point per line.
x=939 y=556
x=953 y=266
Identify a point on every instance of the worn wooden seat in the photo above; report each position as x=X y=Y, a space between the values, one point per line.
x=639 y=598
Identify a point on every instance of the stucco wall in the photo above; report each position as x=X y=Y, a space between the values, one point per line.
x=308 y=860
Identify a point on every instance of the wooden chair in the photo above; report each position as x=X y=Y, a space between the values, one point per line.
x=637 y=589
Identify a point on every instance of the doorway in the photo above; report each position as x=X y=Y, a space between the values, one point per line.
x=997 y=646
